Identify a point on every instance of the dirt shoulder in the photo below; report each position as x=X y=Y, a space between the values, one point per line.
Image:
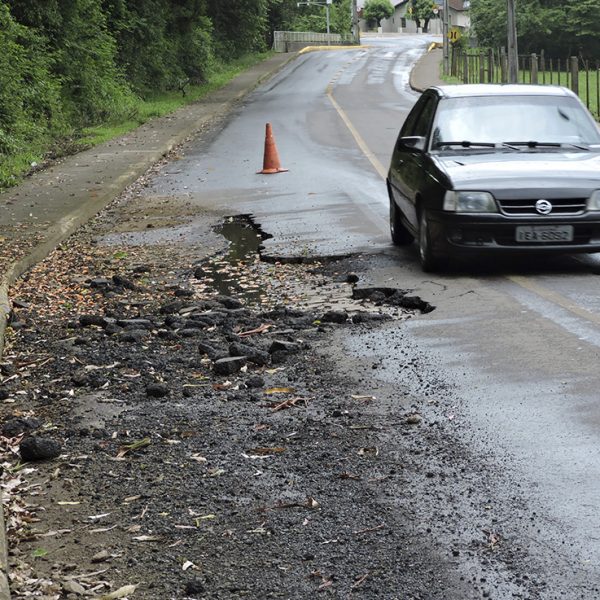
x=193 y=440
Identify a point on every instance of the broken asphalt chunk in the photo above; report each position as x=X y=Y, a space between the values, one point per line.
x=89 y=320
x=254 y=355
x=39 y=448
x=334 y=316
x=18 y=425
x=229 y=366
x=123 y=282
x=157 y=390
x=229 y=302
x=284 y=347
x=135 y=323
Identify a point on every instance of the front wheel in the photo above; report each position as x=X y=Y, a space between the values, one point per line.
x=400 y=235
x=429 y=261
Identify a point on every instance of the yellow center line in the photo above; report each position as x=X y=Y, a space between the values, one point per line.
x=357 y=137
x=555 y=298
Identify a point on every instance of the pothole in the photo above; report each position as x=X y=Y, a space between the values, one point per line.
x=229 y=274
x=311 y=284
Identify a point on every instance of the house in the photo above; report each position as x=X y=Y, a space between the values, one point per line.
x=402 y=22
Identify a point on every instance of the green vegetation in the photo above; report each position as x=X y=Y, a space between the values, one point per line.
x=81 y=71
x=167 y=102
x=375 y=10
x=560 y=27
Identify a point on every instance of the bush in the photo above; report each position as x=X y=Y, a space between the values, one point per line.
x=30 y=104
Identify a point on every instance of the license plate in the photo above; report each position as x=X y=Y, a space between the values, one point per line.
x=544 y=234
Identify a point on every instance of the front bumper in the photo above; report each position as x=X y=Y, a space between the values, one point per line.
x=462 y=233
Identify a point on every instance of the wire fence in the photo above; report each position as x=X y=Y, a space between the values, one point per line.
x=491 y=66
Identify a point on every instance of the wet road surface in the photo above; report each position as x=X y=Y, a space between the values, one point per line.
x=518 y=342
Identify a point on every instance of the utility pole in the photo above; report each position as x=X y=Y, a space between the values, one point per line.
x=445 y=40
x=513 y=54
x=355 y=28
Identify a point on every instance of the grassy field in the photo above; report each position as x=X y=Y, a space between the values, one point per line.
x=15 y=166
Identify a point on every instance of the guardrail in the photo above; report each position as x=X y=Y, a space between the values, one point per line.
x=291 y=41
x=491 y=66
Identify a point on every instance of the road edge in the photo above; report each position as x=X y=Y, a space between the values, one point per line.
x=70 y=223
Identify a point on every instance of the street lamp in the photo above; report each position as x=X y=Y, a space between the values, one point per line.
x=324 y=3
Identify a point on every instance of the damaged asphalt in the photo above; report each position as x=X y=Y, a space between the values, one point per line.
x=214 y=425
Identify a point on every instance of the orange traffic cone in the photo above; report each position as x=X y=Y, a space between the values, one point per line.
x=271 y=162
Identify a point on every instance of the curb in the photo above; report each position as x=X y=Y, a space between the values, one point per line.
x=70 y=223
x=320 y=48
x=411 y=80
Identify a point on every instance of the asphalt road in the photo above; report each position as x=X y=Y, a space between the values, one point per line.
x=517 y=341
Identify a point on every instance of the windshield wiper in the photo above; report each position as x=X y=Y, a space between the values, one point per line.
x=466 y=144
x=534 y=144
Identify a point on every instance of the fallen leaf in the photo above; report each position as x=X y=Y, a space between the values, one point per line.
x=125 y=449
x=280 y=390
x=371 y=450
x=126 y=590
x=198 y=458
x=216 y=472
x=266 y=451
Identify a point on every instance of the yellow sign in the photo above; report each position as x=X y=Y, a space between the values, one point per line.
x=454 y=35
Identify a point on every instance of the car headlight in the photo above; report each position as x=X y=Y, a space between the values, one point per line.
x=473 y=202
x=593 y=202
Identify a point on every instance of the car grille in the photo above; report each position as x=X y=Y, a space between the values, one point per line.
x=560 y=206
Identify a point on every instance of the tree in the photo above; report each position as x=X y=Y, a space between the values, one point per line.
x=422 y=11
x=376 y=10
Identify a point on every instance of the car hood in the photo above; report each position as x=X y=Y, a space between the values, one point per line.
x=527 y=170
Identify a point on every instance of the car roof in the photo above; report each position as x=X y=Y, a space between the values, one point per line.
x=494 y=89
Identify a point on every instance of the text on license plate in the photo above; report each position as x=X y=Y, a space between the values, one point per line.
x=544 y=233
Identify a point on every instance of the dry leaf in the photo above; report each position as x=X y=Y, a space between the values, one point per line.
x=266 y=451
x=126 y=590
x=280 y=390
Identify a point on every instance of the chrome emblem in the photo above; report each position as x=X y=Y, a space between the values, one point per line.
x=543 y=207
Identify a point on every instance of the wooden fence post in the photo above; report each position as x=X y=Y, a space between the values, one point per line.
x=534 y=68
x=454 y=63
x=465 y=68
x=575 y=74
x=491 y=73
x=481 y=67
x=503 y=66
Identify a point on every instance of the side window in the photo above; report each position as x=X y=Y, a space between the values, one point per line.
x=413 y=115
x=423 y=124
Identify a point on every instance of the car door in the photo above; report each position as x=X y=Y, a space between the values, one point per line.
x=407 y=169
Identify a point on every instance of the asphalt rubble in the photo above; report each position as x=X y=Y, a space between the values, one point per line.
x=181 y=440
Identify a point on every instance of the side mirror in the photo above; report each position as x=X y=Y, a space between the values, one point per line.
x=412 y=142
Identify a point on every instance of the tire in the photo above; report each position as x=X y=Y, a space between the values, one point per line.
x=430 y=262
x=400 y=235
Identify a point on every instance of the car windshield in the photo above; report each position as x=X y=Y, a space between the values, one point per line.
x=517 y=119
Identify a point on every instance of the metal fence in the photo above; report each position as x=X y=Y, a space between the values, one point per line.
x=491 y=66
x=290 y=41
